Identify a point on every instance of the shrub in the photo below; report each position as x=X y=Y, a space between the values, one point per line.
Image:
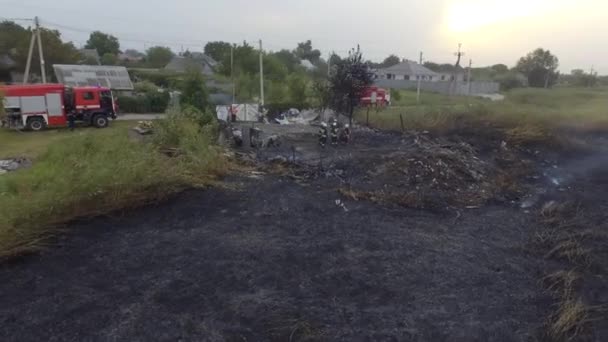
x=194 y=91
x=153 y=102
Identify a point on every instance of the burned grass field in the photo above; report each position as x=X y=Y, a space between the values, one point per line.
x=467 y=236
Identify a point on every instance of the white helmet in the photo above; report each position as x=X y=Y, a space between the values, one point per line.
x=346 y=126
x=323 y=124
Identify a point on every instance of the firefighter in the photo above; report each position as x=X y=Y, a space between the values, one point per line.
x=345 y=134
x=334 y=132
x=71 y=121
x=323 y=134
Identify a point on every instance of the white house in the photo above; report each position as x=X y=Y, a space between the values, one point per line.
x=408 y=71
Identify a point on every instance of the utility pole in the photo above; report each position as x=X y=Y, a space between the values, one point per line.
x=261 y=74
x=42 y=68
x=35 y=36
x=458 y=54
x=469 y=76
x=419 y=81
x=28 y=64
x=329 y=65
x=232 y=73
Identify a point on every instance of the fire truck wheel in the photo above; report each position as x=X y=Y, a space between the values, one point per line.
x=100 y=121
x=35 y=124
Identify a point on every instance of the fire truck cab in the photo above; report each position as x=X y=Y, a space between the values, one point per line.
x=37 y=106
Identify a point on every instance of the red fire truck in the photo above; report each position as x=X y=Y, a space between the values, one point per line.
x=375 y=96
x=37 y=106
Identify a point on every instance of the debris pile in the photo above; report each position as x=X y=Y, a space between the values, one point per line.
x=428 y=174
x=8 y=165
x=144 y=127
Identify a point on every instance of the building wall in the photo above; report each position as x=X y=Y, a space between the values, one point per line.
x=447 y=88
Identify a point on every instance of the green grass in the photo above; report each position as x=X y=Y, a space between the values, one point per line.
x=31 y=144
x=576 y=107
x=408 y=98
x=91 y=172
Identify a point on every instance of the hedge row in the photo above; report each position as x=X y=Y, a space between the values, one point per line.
x=148 y=103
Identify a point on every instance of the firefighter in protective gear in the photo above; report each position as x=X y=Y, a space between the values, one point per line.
x=334 y=132
x=345 y=134
x=323 y=134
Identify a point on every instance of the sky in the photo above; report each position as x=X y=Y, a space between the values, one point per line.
x=490 y=31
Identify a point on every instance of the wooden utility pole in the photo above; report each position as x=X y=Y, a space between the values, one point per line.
x=419 y=81
x=232 y=73
x=454 y=83
x=261 y=74
x=35 y=36
x=469 y=76
x=42 y=68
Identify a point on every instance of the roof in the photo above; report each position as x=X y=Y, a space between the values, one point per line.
x=408 y=68
x=113 y=77
x=47 y=86
x=195 y=60
x=7 y=61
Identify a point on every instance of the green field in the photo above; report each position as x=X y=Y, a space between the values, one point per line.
x=585 y=108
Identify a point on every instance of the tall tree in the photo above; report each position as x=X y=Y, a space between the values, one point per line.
x=305 y=51
x=103 y=43
x=348 y=82
x=390 y=61
x=159 y=56
x=540 y=67
x=220 y=51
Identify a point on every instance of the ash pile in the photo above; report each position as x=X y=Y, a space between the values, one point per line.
x=422 y=172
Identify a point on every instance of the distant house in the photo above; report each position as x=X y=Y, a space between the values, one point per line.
x=192 y=60
x=407 y=71
x=125 y=57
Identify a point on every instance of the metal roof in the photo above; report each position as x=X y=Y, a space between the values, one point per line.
x=408 y=68
x=113 y=77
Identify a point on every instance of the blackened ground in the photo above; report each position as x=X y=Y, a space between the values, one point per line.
x=277 y=258
x=243 y=265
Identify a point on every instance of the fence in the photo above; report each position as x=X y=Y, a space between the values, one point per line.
x=244 y=112
x=446 y=88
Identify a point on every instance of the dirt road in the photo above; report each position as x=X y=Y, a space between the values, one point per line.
x=287 y=257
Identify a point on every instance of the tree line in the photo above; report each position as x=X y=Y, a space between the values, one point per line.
x=290 y=74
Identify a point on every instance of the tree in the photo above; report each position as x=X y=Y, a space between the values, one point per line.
x=220 y=51
x=348 y=82
x=297 y=88
x=500 y=68
x=390 y=61
x=305 y=51
x=288 y=59
x=540 y=67
x=14 y=43
x=103 y=43
x=109 y=59
x=159 y=56
x=582 y=79
x=194 y=91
